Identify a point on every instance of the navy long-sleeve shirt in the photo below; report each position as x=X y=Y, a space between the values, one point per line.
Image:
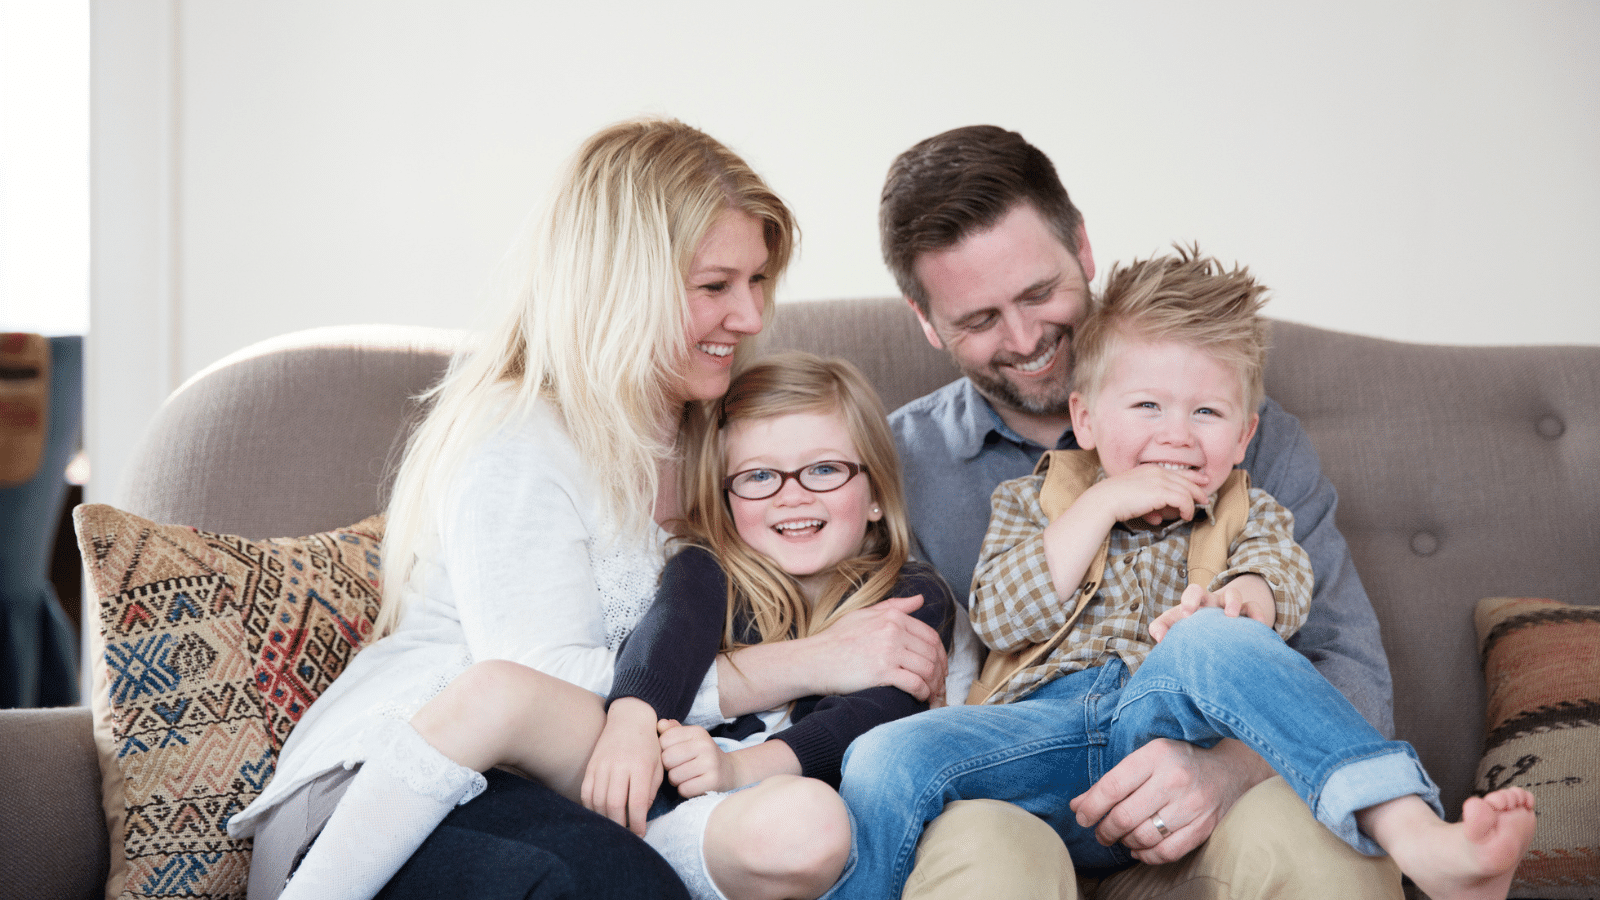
x=666 y=657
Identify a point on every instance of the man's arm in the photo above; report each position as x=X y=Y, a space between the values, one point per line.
x=1341 y=635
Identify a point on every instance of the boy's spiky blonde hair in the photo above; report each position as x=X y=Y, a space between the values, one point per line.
x=1184 y=298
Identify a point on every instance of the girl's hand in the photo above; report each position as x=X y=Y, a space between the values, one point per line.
x=625 y=769
x=1248 y=595
x=695 y=764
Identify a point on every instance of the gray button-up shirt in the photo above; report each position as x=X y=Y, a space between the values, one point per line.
x=956 y=450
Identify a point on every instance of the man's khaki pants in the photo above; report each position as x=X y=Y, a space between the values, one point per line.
x=1267 y=847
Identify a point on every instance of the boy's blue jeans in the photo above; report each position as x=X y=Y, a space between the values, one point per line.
x=1212 y=677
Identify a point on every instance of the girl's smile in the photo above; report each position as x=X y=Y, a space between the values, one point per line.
x=806 y=533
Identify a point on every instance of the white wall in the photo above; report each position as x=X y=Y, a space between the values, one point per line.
x=1416 y=170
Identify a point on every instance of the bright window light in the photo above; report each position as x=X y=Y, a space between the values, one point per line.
x=44 y=166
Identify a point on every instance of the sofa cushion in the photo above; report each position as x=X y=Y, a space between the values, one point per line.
x=1541 y=663
x=214 y=646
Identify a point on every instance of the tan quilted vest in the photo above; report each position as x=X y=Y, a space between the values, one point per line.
x=1067 y=474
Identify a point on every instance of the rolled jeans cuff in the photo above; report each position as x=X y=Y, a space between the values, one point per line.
x=1360 y=783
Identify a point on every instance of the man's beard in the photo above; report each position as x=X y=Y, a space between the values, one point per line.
x=1052 y=401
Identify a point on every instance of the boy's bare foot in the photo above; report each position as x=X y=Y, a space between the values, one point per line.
x=1473 y=859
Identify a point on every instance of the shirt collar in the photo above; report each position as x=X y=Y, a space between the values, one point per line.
x=980 y=424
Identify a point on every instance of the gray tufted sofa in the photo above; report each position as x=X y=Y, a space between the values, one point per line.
x=1462 y=473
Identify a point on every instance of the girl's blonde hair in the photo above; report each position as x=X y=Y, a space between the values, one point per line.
x=781 y=384
x=595 y=324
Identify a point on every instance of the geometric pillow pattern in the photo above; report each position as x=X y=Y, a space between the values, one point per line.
x=215 y=645
x=1541 y=664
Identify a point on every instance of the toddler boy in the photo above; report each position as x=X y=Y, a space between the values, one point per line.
x=1117 y=634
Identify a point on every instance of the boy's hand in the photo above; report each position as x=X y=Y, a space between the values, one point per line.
x=625 y=768
x=1147 y=492
x=695 y=764
x=1248 y=595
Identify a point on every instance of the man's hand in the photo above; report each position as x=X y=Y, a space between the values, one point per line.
x=1248 y=595
x=1191 y=789
x=695 y=764
x=625 y=768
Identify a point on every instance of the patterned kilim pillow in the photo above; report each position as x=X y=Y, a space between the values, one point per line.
x=1541 y=664
x=214 y=647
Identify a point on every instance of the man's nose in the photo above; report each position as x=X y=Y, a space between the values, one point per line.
x=1022 y=332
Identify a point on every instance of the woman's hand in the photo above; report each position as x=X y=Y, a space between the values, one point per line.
x=880 y=645
x=625 y=768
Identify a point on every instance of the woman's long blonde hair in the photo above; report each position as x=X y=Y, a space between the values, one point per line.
x=776 y=385
x=595 y=323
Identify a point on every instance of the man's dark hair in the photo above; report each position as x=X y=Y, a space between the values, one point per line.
x=961 y=182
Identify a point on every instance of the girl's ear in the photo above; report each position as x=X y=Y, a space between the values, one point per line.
x=875 y=514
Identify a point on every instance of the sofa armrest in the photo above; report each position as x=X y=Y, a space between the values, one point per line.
x=52 y=829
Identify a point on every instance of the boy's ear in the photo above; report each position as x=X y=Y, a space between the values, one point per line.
x=1079 y=408
x=927 y=327
x=1244 y=439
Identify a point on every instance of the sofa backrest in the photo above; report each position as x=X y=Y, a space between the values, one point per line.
x=1462 y=472
x=291 y=436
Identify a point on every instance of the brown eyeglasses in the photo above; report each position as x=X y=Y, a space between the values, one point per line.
x=818 y=478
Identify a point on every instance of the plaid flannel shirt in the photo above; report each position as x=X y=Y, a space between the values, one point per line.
x=1015 y=604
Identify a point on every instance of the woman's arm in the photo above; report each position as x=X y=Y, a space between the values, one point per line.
x=814 y=745
x=884 y=644
x=818 y=737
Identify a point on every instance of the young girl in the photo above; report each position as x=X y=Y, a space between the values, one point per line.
x=794 y=517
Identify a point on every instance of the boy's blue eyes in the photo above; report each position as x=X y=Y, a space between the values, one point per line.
x=1204 y=410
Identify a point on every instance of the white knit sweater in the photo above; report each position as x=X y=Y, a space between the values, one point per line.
x=518 y=568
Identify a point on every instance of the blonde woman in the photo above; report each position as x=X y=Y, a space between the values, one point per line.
x=525 y=538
